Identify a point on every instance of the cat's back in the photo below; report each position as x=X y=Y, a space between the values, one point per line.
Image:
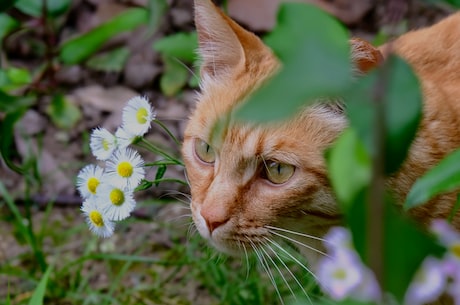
x=434 y=53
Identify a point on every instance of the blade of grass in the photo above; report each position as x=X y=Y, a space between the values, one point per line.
x=39 y=292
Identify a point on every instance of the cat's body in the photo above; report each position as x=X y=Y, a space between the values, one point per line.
x=250 y=183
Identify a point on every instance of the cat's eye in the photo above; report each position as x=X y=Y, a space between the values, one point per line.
x=277 y=172
x=204 y=151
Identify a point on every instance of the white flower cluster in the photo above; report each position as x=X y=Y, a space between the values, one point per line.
x=342 y=275
x=107 y=192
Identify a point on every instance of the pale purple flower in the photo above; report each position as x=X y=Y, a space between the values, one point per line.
x=428 y=284
x=368 y=290
x=338 y=239
x=340 y=274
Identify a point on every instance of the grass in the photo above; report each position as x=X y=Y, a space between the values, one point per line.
x=146 y=262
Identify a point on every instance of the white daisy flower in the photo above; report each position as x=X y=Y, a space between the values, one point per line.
x=117 y=203
x=97 y=220
x=124 y=138
x=102 y=143
x=88 y=180
x=428 y=283
x=125 y=168
x=137 y=116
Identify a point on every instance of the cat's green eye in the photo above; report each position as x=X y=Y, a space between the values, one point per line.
x=204 y=151
x=277 y=172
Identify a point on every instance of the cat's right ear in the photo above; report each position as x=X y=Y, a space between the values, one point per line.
x=224 y=46
x=364 y=56
x=219 y=47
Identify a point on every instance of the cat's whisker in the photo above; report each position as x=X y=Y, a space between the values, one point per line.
x=298 y=242
x=277 y=245
x=296 y=233
x=266 y=267
x=278 y=269
x=280 y=259
x=247 y=260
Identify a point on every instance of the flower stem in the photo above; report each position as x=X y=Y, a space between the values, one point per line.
x=146 y=144
x=159 y=123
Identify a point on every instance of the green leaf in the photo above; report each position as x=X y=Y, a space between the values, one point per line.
x=6 y=144
x=39 y=292
x=160 y=173
x=14 y=78
x=113 y=61
x=397 y=87
x=403 y=258
x=315 y=63
x=145 y=184
x=63 y=113
x=174 y=77
x=7 y=24
x=80 y=48
x=182 y=46
x=10 y=103
x=34 y=8
x=444 y=177
x=349 y=167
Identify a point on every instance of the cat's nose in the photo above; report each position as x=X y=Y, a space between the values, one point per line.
x=213 y=221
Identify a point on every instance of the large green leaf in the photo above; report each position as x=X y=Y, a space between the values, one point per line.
x=395 y=86
x=315 y=63
x=80 y=48
x=63 y=112
x=182 y=46
x=112 y=61
x=35 y=7
x=7 y=24
x=349 y=167
x=174 y=77
x=444 y=177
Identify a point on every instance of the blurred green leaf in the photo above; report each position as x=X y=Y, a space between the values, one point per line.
x=455 y=3
x=160 y=173
x=80 y=48
x=14 y=78
x=397 y=87
x=174 y=77
x=10 y=103
x=315 y=63
x=63 y=113
x=349 y=167
x=7 y=23
x=34 y=8
x=39 y=292
x=113 y=61
x=405 y=247
x=444 y=177
x=6 y=4
x=182 y=46
x=7 y=131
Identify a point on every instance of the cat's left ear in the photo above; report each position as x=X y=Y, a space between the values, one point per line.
x=364 y=56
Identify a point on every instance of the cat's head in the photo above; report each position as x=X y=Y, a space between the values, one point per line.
x=251 y=184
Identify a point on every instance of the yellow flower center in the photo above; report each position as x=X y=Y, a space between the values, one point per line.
x=141 y=115
x=125 y=169
x=105 y=144
x=456 y=250
x=92 y=185
x=117 y=197
x=340 y=274
x=96 y=218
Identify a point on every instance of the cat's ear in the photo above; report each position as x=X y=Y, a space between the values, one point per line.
x=364 y=55
x=224 y=46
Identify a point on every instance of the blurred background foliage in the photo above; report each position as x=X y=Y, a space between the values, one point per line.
x=66 y=67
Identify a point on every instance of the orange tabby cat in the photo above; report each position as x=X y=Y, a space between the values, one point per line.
x=253 y=184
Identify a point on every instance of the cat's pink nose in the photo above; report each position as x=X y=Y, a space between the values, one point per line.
x=213 y=220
